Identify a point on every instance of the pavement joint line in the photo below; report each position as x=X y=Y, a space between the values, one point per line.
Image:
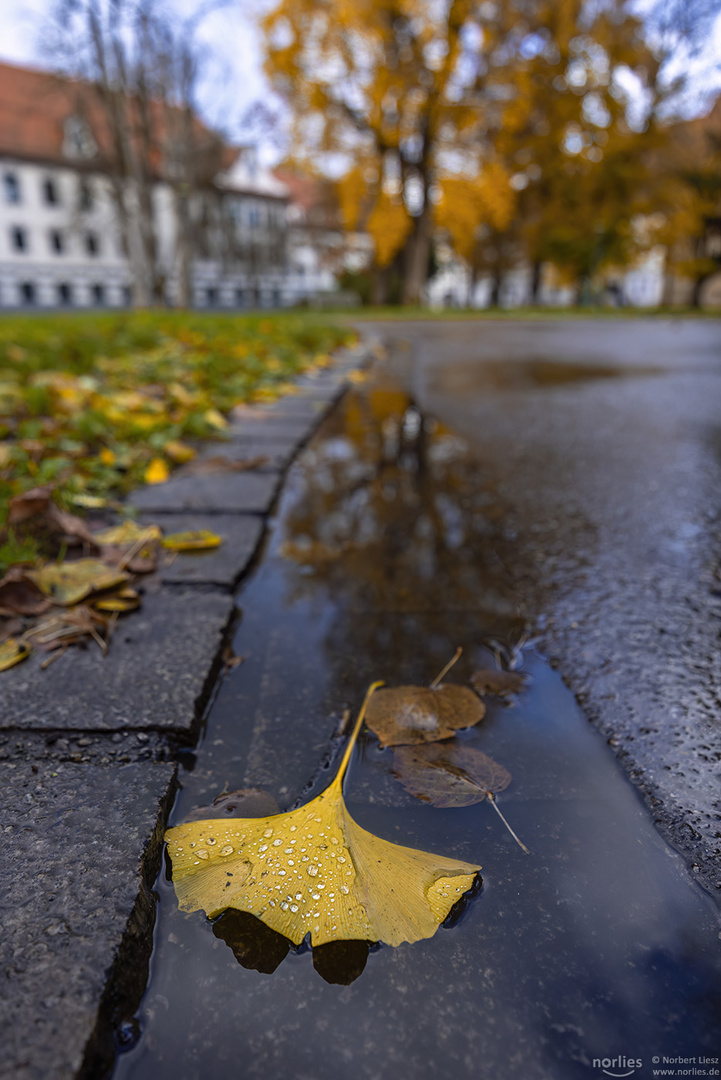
x=77 y=1041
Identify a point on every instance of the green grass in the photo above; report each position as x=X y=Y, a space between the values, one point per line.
x=89 y=401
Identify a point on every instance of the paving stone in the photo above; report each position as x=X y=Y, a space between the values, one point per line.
x=240 y=533
x=235 y=493
x=265 y=426
x=278 y=452
x=155 y=674
x=73 y=840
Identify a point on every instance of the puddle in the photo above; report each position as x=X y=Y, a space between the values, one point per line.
x=388 y=552
x=530 y=374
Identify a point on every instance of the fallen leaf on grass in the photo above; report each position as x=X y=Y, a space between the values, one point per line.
x=69 y=582
x=35 y=512
x=200 y=540
x=449 y=773
x=12 y=652
x=157 y=472
x=418 y=714
x=500 y=683
x=315 y=871
x=452 y=774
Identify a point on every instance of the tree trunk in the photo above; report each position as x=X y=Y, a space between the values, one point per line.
x=379 y=285
x=496 y=282
x=697 y=290
x=418 y=247
x=536 y=277
x=184 y=251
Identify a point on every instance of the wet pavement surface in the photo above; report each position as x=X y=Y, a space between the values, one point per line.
x=448 y=506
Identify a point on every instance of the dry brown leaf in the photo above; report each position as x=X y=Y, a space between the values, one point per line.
x=34 y=512
x=68 y=628
x=20 y=596
x=316 y=871
x=449 y=774
x=417 y=714
x=500 y=683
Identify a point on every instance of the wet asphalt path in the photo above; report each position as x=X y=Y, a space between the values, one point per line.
x=602 y=440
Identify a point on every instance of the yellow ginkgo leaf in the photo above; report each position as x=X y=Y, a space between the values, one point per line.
x=68 y=583
x=316 y=871
x=201 y=540
x=12 y=652
x=157 y=471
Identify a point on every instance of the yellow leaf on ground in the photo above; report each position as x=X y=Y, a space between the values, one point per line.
x=68 y=583
x=107 y=456
x=316 y=871
x=215 y=419
x=201 y=540
x=12 y=652
x=128 y=532
x=123 y=600
x=157 y=471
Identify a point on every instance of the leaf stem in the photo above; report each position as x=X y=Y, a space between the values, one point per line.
x=354 y=734
x=492 y=800
x=447 y=668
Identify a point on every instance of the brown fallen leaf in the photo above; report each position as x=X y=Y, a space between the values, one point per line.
x=416 y=714
x=21 y=596
x=315 y=871
x=34 y=512
x=499 y=683
x=230 y=659
x=452 y=774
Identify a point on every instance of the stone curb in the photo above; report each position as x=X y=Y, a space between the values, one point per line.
x=86 y=756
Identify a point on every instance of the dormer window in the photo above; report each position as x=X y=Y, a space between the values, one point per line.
x=50 y=192
x=78 y=141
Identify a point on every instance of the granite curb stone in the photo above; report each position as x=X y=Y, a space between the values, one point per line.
x=76 y=836
x=82 y=749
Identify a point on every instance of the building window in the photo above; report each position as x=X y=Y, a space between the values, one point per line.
x=98 y=295
x=240 y=297
x=211 y=296
x=12 y=187
x=253 y=216
x=27 y=292
x=65 y=294
x=50 y=191
x=127 y=295
x=85 y=196
x=19 y=238
x=92 y=244
x=57 y=242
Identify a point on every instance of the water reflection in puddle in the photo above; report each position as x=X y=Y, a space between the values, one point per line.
x=389 y=551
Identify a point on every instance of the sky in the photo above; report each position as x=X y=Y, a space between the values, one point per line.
x=234 y=79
